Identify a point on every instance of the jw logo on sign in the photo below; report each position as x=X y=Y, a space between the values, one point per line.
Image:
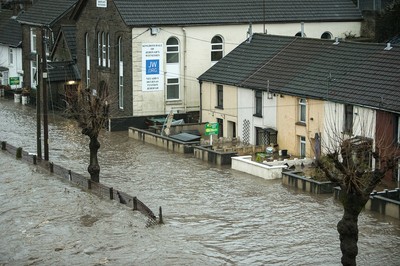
x=152 y=67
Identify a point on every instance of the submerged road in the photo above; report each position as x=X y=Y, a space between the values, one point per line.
x=213 y=215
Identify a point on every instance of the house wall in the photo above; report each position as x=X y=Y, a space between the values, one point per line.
x=228 y=114
x=14 y=70
x=364 y=124
x=195 y=59
x=290 y=129
x=91 y=20
x=246 y=107
x=386 y=139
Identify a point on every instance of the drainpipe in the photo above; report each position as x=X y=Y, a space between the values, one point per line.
x=184 y=68
x=201 y=105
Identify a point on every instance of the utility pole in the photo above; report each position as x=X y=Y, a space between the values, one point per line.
x=45 y=98
x=38 y=113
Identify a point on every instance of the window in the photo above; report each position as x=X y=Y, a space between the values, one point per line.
x=302 y=146
x=302 y=110
x=326 y=35
x=348 y=119
x=33 y=40
x=258 y=104
x=87 y=54
x=172 y=89
x=5 y=78
x=33 y=73
x=99 y=48
x=398 y=130
x=103 y=49
x=11 y=56
x=220 y=96
x=108 y=50
x=261 y=136
x=172 y=51
x=217 y=48
x=220 y=127
x=121 y=74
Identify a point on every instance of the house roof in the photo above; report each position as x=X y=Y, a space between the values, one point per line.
x=187 y=12
x=347 y=72
x=63 y=71
x=46 y=12
x=10 y=29
x=68 y=32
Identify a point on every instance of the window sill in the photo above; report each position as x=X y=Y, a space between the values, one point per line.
x=172 y=102
x=301 y=124
x=257 y=115
x=219 y=107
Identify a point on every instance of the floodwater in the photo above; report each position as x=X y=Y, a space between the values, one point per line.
x=213 y=215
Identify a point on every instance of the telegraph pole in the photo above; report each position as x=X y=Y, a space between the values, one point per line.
x=45 y=98
x=38 y=114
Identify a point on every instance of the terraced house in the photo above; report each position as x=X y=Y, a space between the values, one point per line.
x=307 y=95
x=150 y=53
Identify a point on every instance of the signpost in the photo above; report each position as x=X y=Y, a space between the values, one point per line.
x=14 y=80
x=212 y=129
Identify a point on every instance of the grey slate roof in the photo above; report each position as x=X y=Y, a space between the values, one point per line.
x=46 y=12
x=63 y=71
x=69 y=32
x=348 y=72
x=10 y=29
x=186 y=12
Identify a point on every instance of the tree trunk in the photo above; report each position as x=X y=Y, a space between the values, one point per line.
x=348 y=226
x=94 y=167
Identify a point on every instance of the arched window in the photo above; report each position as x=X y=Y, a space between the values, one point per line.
x=103 y=49
x=87 y=55
x=299 y=34
x=172 y=50
x=121 y=74
x=217 y=48
x=326 y=35
x=99 y=48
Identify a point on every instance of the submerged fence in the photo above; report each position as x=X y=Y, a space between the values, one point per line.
x=98 y=189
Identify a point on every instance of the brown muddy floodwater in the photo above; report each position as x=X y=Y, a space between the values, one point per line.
x=213 y=215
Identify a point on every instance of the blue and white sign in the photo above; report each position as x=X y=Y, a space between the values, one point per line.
x=152 y=67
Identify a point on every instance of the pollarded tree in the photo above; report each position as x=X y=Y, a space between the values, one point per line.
x=91 y=110
x=357 y=164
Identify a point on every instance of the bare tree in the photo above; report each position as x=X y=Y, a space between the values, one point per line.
x=92 y=112
x=357 y=163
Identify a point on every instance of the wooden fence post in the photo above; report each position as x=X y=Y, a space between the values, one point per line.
x=19 y=153
x=161 y=221
x=69 y=175
x=135 y=203
x=111 y=193
x=34 y=158
x=51 y=167
x=4 y=145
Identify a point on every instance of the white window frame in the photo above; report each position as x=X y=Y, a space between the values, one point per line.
x=87 y=54
x=302 y=110
x=173 y=83
x=10 y=56
x=173 y=49
x=103 y=49
x=216 y=48
x=33 y=40
x=398 y=130
x=121 y=74
x=108 y=50
x=303 y=146
x=33 y=73
x=99 y=48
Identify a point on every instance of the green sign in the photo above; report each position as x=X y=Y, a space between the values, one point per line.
x=212 y=129
x=14 y=81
